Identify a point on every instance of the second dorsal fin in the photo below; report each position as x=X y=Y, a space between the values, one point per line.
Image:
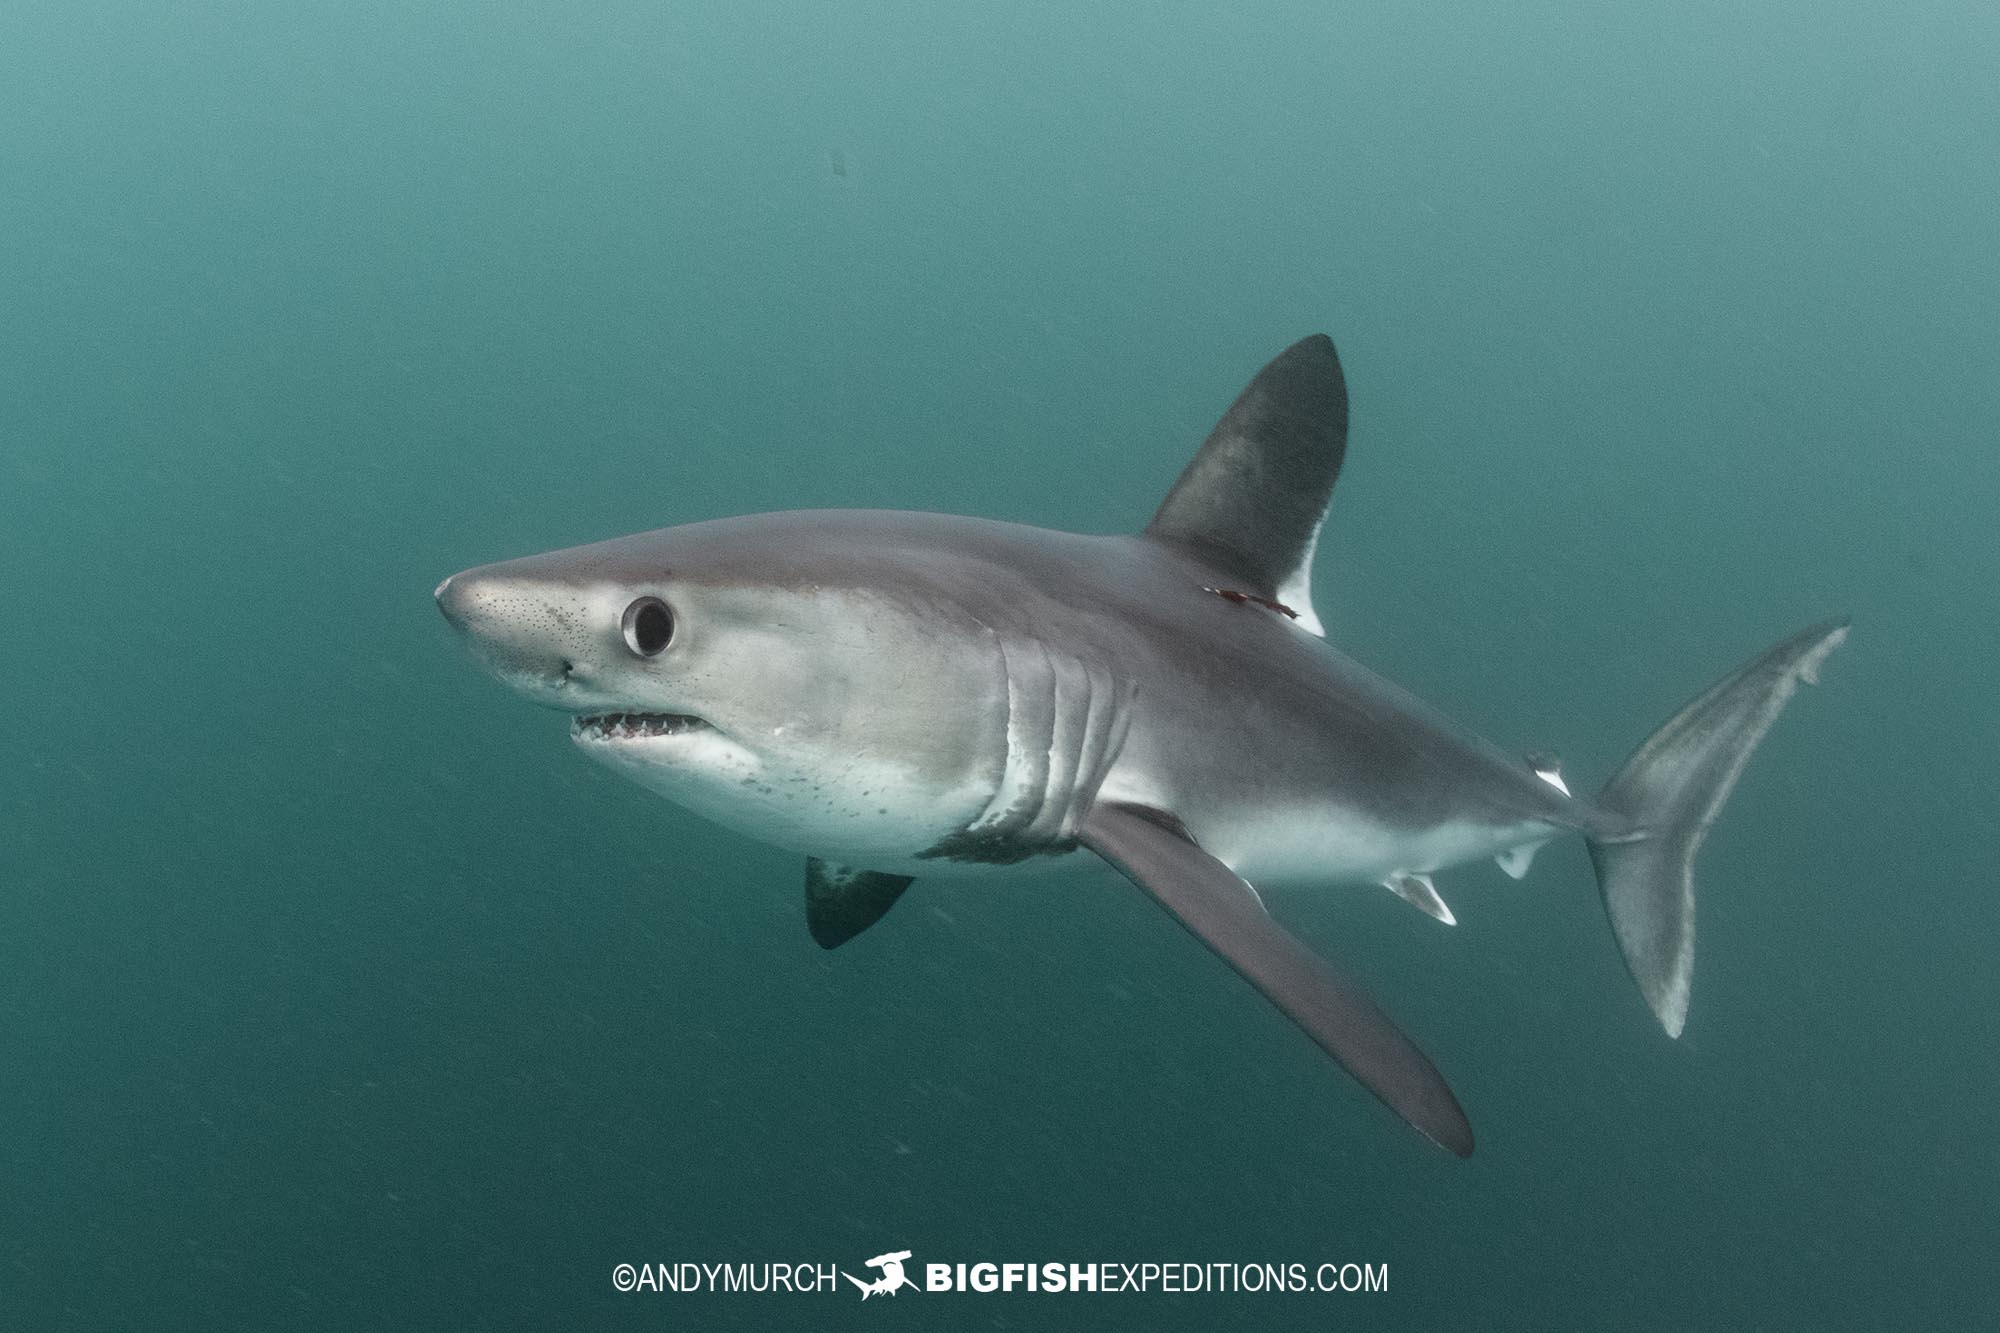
x=1251 y=503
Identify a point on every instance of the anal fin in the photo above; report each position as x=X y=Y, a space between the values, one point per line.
x=1516 y=860
x=1418 y=891
x=841 y=901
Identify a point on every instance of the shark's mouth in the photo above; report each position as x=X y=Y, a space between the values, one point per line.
x=633 y=726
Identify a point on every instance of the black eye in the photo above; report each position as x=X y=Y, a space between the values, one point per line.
x=649 y=626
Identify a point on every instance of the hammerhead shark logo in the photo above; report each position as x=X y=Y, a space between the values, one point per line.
x=893 y=1276
x=896 y=695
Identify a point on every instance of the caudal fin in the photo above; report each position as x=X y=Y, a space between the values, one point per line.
x=1671 y=790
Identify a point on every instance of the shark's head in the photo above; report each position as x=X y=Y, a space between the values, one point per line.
x=782 y=674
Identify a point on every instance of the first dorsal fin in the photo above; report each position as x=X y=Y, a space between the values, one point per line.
x=1252 y=501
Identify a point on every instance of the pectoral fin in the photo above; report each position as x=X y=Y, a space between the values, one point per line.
x=841 y=901
x=1152 y=849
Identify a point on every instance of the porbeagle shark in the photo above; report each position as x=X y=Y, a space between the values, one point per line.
x=904 y=694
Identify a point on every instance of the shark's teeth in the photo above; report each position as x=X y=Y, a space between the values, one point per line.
x=632 y=726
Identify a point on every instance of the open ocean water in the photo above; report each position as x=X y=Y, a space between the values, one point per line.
x=337 y=990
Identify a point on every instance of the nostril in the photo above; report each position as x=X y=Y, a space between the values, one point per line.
x=569 y=667
x=439 y=591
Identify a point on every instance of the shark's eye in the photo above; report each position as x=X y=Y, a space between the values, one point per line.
x=648 y=626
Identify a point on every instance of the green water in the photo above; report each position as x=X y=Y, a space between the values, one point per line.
x=336 y=990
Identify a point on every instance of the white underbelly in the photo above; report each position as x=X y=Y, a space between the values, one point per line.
x=863 y=813
x=1339 y=847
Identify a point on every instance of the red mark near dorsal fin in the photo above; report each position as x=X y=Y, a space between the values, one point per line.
x=1241 y=598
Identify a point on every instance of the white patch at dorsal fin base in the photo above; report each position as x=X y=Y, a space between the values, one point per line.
x=1516 y=860
x=1548 y=768
x=1418 y=891
x=1296 y=591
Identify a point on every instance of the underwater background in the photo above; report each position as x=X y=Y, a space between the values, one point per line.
x=338 y=990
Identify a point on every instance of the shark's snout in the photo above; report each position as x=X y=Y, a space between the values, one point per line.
x=522 y=633
x=487 y=610
x=448 y=602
